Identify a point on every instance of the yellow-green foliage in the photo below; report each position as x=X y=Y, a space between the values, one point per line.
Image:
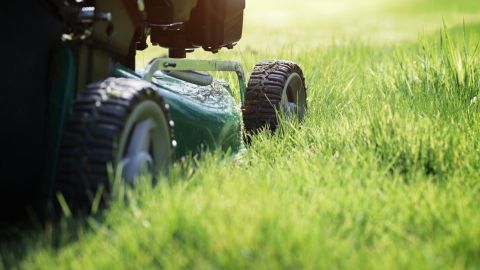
x=383 y=174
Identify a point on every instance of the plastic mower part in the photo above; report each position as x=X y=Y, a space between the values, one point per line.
x=276 y=89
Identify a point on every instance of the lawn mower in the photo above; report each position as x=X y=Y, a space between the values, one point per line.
x=78 y=114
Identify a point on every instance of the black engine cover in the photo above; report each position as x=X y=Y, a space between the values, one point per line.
x=213 y=24
x=216 y=23
x=169 y=11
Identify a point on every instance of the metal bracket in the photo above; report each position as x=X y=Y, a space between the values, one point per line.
x=170 y=64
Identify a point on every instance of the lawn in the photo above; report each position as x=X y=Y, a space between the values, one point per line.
x=383 y=174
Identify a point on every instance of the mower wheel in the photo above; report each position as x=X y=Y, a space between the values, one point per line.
x=118 y=123
x=276 y=89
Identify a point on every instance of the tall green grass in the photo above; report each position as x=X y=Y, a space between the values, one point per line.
x=383 y=174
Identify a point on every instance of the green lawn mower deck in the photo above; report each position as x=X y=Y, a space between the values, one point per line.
x=105 y=121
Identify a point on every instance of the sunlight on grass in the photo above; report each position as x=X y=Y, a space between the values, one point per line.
x=383 y=174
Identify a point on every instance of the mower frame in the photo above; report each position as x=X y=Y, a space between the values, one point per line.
x=171 y=64
x=63 y=93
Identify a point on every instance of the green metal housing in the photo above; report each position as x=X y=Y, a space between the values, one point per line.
x=205 y=117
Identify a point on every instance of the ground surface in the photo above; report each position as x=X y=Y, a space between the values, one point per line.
x=384 y=173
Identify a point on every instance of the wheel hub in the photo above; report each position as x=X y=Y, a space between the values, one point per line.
x=292 y=103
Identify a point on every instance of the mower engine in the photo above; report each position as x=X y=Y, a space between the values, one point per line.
x=183 y=25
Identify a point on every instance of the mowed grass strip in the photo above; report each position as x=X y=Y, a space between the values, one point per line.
x=383 y=174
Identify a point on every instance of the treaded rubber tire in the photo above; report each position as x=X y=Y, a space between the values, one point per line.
x=92 y=133
x=264 y=93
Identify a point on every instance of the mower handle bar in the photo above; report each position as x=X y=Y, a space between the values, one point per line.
x=170 y=64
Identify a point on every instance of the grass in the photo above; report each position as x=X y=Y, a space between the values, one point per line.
x=383 y=174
